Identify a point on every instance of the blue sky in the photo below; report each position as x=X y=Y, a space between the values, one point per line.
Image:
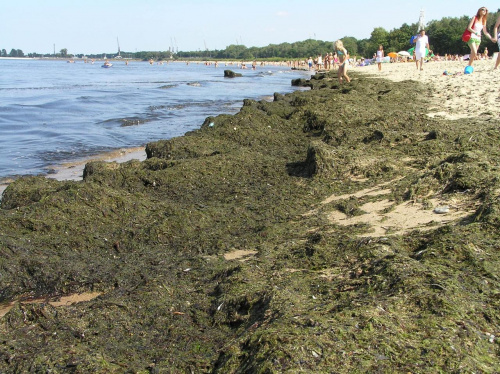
x=92 y=26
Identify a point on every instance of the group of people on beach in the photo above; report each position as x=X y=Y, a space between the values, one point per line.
x=338 y=59
x=328 y=62
x=476 y=26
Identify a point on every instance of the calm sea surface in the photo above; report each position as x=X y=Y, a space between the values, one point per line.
x=53 y=111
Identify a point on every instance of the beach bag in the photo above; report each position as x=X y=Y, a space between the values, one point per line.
x=467 y=34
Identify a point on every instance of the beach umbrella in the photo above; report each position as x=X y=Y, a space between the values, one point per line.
x=404 y=53
x=392 y=54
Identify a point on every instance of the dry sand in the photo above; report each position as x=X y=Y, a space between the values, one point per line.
x=56 y=302
x=456 y=95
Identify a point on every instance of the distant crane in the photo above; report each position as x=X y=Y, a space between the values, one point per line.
x=206 y=48
x=174 y=47
x=421 y=21
x=118 y=42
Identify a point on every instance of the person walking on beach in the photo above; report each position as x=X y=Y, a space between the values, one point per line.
x=343 y=57
x=496 y=38
x=422 y=42
x=380 y=56
x=476 y=25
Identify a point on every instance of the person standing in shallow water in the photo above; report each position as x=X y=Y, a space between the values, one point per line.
x=476 y=25
x=343 y=57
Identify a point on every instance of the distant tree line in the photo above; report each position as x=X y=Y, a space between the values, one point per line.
x=445 y=38
x=13 y=53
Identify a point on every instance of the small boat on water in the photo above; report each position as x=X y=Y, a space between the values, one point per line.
x=107 y=64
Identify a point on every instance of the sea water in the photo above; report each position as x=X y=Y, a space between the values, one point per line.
x=53 y=112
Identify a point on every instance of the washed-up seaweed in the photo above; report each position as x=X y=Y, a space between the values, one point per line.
x=310 y=292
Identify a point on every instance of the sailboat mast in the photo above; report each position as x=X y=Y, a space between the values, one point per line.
x=118 y=42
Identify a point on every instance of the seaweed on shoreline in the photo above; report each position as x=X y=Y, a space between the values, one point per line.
x=316 y=294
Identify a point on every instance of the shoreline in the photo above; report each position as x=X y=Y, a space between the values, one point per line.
x=459 y=106
x=73 y=170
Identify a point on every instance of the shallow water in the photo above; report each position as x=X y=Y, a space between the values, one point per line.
x=53 y=112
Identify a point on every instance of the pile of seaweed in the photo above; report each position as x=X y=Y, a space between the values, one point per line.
x=305 y=294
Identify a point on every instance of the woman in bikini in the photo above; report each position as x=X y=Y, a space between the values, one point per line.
x=476 y=25
x=343 y=57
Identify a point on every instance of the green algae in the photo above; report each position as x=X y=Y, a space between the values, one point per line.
x=316 y=297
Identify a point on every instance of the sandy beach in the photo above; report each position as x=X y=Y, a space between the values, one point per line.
x=456 y=95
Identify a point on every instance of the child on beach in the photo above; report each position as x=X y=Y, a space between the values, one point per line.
x=343 y=57
x=476 y=25
x=380 y=56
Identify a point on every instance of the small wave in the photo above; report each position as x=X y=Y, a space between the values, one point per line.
x=167 y=86
x=167 y=107
x=134 y=121
x=194 y=84
x=126 y=122
x=67 y=87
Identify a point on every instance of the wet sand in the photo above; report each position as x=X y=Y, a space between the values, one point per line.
x=74 y=170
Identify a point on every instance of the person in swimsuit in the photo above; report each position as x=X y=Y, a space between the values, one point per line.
x=343 y=57
x=476 y=25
